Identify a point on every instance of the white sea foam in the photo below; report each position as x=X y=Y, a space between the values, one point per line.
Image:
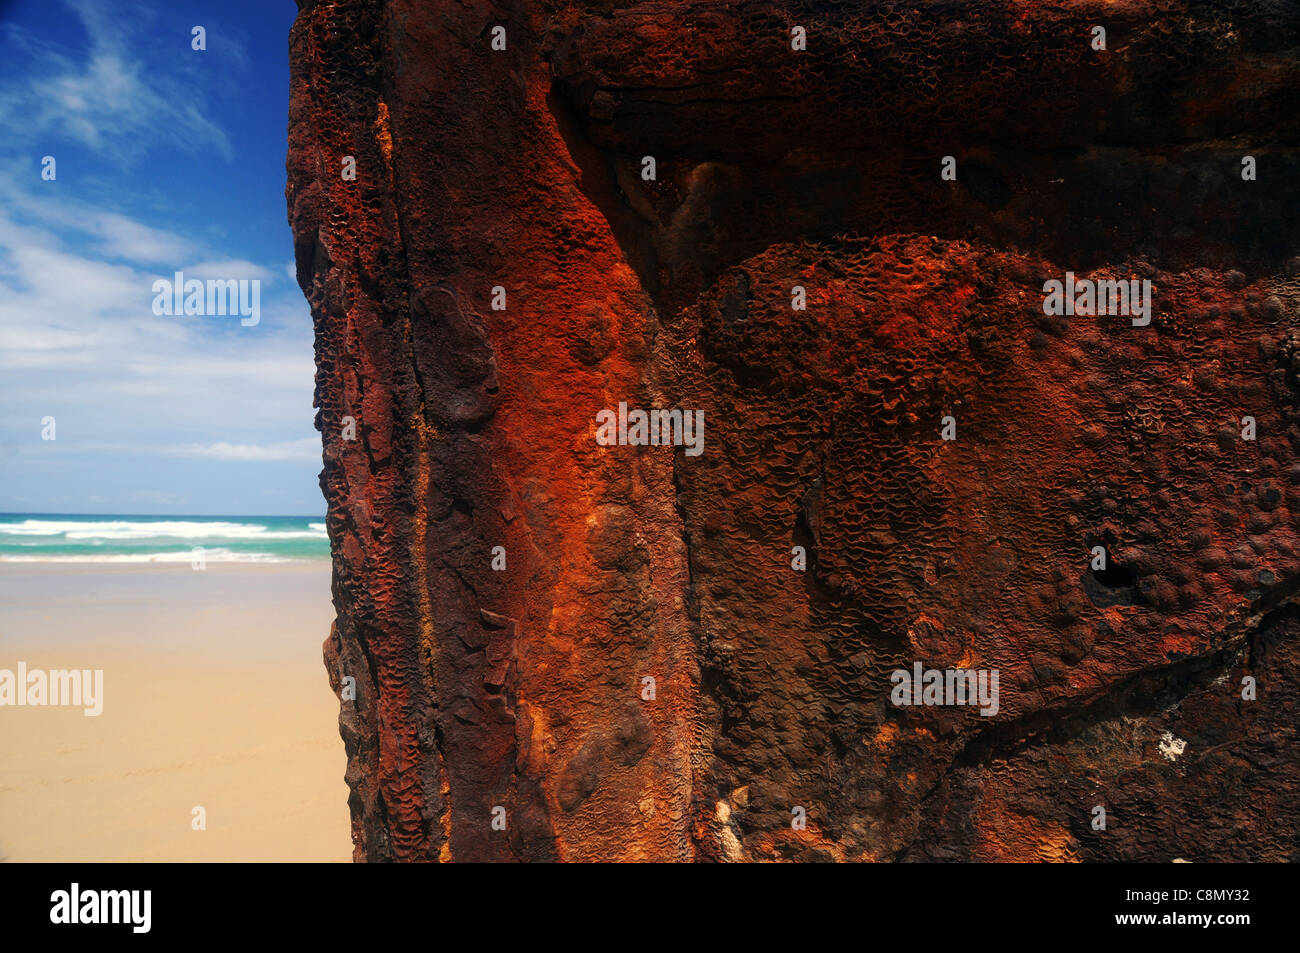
x=217 y=555
x=178 y=529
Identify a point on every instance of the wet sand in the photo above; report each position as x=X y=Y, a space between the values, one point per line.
x=214 y=696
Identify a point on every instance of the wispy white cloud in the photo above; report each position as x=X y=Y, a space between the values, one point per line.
x=78 y=338
x=110 y=100
x=230 y=268
x=308 y=448
x=110 y=235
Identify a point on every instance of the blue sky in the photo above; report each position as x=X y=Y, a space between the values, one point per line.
x=168 y=159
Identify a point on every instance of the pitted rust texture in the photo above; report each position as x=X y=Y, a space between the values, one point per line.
x=522 y=688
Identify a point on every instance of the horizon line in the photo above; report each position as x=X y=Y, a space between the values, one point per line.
x=173 y=515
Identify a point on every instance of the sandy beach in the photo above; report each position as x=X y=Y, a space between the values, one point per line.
x=214 y=696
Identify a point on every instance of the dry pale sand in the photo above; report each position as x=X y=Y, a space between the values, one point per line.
x=214 y=696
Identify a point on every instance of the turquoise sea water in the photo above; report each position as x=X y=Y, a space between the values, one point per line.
x=44 y=537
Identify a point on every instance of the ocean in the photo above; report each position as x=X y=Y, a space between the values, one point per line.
x=43 y=537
